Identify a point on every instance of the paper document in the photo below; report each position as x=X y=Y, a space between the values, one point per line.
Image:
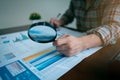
x=23 y=59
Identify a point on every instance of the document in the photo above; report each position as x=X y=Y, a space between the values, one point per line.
x=41 y=60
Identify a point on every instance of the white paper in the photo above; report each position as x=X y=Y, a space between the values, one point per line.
x=16 y=46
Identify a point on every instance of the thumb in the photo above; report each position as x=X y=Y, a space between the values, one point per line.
x=61 y=40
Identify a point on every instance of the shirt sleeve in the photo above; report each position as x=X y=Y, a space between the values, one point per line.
x=109 y=31
x=68 y=16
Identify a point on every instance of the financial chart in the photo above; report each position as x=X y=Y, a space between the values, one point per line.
x=24 y=59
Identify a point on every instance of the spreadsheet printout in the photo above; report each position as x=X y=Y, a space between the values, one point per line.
x=23 y=59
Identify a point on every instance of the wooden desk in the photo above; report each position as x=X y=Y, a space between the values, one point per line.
x=102 y=65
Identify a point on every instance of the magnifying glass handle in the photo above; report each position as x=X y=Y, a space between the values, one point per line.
x=59 y=33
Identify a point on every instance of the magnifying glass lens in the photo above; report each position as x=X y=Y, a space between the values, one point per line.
x=42 y=33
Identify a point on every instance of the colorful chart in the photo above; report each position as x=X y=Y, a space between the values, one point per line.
x=9 y=56
x=23 y=37
x=13 y=39
x=23 y=59
x=43 y=59
x=16 y=71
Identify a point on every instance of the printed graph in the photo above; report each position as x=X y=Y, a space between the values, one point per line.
x=23 y=37
x=13 y=38
x=16 y=71
x=44 y=59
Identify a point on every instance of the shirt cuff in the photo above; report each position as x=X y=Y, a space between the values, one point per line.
x=104 y=34
x=98 y=34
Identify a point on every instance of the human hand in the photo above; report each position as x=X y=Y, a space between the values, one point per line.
x=55 y=22
x=68 y=45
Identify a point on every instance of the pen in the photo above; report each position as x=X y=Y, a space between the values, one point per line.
x=58 y=29
x=58 y=15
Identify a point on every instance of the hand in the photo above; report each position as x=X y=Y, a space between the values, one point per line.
x=68 y=45
x=55 y=22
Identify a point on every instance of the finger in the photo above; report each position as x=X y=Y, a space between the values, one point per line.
x=52 y=20
x=61 y=40
x=57 y=40
x=61 y=47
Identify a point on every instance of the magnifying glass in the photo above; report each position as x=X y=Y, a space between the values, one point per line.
x=42 y=32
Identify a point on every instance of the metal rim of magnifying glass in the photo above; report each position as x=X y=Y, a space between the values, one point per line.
x=45 y=24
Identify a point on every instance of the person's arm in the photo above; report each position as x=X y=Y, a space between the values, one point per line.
x=109 y=31
x=66 y=18
x=69 y=15
x=70 y=45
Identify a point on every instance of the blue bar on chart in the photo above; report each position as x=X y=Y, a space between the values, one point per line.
x=16 y=71
x=44 y=59
x=42 y=56
x=48 y=62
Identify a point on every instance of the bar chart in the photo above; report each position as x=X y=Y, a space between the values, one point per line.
x=14 y=38
x=43 y=59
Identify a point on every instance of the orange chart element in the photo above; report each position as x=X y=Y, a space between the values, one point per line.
x=38 y=54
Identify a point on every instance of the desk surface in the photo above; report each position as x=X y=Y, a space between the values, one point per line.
x=94 y=67
x=102 y=65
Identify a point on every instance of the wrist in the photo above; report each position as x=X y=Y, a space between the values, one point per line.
x=89 y=41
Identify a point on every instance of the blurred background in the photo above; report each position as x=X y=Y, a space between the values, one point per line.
x=15 y=13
